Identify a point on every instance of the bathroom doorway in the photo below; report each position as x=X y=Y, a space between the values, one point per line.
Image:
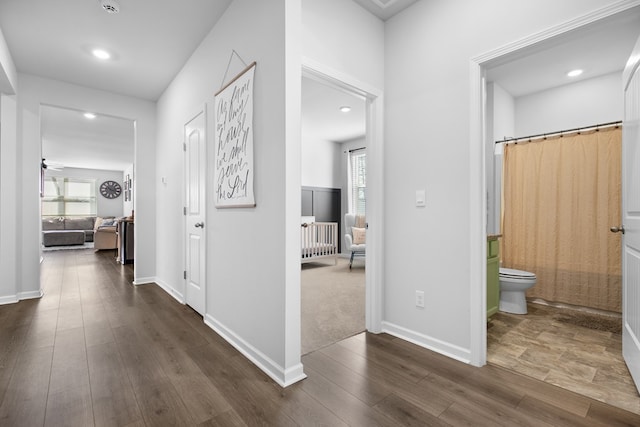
x=523 y=341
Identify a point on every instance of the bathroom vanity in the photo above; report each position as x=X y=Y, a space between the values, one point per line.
x=493 y=270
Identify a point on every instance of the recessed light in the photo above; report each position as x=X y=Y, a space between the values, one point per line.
x=90 y=116
x=345 y=108
x=574 y=73
x=101 y=54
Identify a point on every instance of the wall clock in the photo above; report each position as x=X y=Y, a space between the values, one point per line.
x=110 y=189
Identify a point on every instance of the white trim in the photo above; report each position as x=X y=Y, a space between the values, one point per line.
x=477 y=202
x=375 y=180
x=9 y=299
x=171 y=291
x=30 y=295
x=276 y=372
x=143 y=280
x=12 y=299
x=433 y=344
x=477 y=225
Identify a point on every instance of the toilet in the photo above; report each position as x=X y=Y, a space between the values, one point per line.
x=513 y=285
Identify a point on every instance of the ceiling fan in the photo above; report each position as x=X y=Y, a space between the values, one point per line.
x=54 y=166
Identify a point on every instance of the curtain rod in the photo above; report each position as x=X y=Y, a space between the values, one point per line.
x=561 y=133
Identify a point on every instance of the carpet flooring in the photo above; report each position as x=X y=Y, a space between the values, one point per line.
x=332 y=303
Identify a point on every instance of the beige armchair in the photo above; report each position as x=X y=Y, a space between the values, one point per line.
x=104 y=236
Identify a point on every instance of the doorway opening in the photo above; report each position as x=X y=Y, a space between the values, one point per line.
x=372 y=99
x=499 y=77
x=333 y=191
x=87 y=182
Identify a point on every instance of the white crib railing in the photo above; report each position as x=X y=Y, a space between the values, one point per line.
x=319 y=240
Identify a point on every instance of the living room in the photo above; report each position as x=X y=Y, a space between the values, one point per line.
x=87 y=178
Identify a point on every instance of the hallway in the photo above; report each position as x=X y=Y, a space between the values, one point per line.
x=96 y=350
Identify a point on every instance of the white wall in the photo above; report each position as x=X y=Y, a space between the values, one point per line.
x=8 y=73
x=500 y=124
x=252 y=294
x=8 y=201
x=104 y=206
x=129 y=206
x=585 y=103
x=320 y=163
x=428 y=52
x=34 y=91
x=343 y=36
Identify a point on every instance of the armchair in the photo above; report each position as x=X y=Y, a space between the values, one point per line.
x=354 y=237
x=104 y=234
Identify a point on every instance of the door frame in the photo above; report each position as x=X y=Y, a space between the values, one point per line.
x=374 y=273
x=185 y=177
x=478 y=184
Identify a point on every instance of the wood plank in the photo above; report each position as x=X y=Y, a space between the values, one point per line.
x=342 y=403
x=70 y=407
x=612 y=416
x=25 y=401
x=134 y=356
x=362 y=387
x=114 y=401
x=236 y=379
x=407 y=414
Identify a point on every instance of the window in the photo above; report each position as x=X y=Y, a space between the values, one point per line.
x=69 y=197
x=358 y=184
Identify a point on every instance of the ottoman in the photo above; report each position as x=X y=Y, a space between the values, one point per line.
x=62 y=237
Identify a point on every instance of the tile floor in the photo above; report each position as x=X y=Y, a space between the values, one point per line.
x=583 y=360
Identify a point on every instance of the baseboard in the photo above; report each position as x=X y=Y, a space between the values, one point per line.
x=171 y=291
x=281 y=376
x=30 y=295
x=433 y=344
x=12 y=299
x=8 y=299
x=144 y=280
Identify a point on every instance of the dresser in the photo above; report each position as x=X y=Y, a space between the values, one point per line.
x=125 y=241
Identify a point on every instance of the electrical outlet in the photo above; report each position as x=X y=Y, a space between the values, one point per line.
x=420 y=299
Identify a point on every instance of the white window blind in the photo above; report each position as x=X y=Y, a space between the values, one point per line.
x=69 y=197
x=358 y=184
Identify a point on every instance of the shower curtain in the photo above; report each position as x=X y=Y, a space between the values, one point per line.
x=560 y=196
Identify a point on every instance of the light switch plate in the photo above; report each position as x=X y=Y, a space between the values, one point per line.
x=421 y=199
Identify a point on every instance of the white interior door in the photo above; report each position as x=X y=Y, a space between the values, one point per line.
x=195 y=243
x=631 y=216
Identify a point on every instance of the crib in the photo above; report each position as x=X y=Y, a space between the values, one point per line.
x=319 y=240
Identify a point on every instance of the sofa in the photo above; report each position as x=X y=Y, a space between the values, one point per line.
x=63 y=231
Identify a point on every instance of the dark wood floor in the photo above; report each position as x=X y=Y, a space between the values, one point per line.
x=97 y=351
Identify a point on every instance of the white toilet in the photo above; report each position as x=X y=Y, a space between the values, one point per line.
x=513 y=285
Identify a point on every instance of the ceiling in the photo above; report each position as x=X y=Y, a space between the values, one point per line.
x=385 y=9
x=598 y=49
x=321 y=116
x=150 y=40
x=150 y=46
x=71 y=140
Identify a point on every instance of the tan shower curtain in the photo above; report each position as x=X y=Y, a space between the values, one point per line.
x=560 y=196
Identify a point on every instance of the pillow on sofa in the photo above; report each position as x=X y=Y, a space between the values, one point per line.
x=78 y=223
x=100 y=221
x=109 y=222
x=359 y=235
x=52 y=224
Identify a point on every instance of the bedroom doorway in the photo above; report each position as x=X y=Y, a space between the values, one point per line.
x=332 y=293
